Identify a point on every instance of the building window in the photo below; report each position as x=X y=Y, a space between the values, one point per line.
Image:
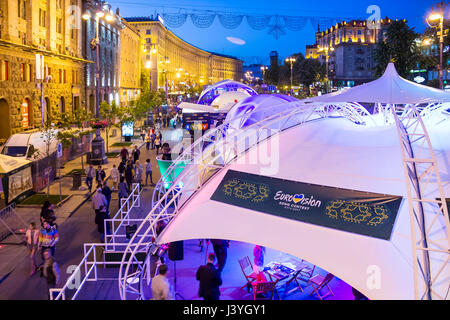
x=22 y=8
x=42 y=18
x=23 y=74
x=148 y=31
x=59 y=25
x=4 y=70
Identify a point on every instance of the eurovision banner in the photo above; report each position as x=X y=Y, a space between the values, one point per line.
x=364 y=213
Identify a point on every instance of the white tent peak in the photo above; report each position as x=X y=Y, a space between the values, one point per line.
x=390 y=88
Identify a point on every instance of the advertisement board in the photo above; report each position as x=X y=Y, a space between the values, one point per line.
x=365 y=213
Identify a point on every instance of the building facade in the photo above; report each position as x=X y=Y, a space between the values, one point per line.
x=109 y=58
x=177 y=65
x=39 y=27
x=130 y=64
x=350 y=47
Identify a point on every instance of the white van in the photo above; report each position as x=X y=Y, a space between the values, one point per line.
x=23 y=145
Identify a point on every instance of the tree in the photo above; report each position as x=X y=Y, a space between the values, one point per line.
x=54 y=131
x=109 y=113
x=311 y=71
x=400 y=47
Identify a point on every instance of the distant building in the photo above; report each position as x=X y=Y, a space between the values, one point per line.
x=351 y=62
x=425 y=75
x=130 y=64
x=177 y=64
x=255 y=71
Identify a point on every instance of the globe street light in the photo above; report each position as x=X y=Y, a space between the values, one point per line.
x=291 y=60
x=439 y=17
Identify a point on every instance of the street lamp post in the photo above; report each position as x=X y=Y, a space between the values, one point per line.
x=439 y=16
x=263 y=69
x=102 y=11
x=291 y=60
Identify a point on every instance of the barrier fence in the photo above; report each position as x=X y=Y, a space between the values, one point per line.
x=95 y=253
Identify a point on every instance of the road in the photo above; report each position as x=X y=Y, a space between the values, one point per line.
x=76 y=230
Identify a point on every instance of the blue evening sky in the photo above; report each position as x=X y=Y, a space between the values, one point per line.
x=258 y=44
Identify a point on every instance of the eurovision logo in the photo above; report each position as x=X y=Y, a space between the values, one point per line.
x=296 y=201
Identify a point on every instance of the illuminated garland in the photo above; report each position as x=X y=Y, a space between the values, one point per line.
x=276 y=24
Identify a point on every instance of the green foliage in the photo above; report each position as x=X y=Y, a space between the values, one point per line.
x=304 y=71
x=399 y=47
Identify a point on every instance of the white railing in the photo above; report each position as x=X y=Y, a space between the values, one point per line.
x=114 y=243
x=86 y=271
x=122 y=216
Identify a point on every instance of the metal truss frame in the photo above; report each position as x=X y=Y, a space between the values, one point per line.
x=206 y=157
x=429 y=220
x=219 y=147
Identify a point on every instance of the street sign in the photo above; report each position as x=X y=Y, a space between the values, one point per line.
x=39 y=67
x=59 y=150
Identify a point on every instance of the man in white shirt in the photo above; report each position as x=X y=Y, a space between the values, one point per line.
x=161 y=286
x=99 y=201
x=114 y=176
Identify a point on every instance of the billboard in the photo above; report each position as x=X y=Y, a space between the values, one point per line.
x=365 y=213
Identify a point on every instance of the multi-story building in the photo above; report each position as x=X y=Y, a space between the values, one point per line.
x=109 y=58
x=176 y=64
x=48 y=28
x=350 y=47
x=130 y=64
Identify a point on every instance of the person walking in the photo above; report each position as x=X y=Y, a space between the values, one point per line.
x=32 y=240
x=100 y=175
x=90 y=174
x=129 y=175
x=50 y=271
x=48 y=238
x=160 y=285
x=143 y=134
x=107 y=193
x=147 y=142
x=210 y=280
x=47 y=213
x=138 y=171
x=100 y=217
x=123 y=189
x=98 y=201
x=136 y=154
x=124 y=154
x=121 y=168
x=114 y=174
x=152 y=138
x=148 y=172
x=220 y=248
x=157 y=144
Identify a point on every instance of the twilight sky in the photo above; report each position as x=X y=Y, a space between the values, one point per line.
x=258 y=44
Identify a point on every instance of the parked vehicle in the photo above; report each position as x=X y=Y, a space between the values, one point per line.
x=29 y=146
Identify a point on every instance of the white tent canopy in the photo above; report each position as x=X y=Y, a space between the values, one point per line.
x=356 y=158
x=388 y=89
x=225 y=101
x=188 y=107
x=332 y=152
